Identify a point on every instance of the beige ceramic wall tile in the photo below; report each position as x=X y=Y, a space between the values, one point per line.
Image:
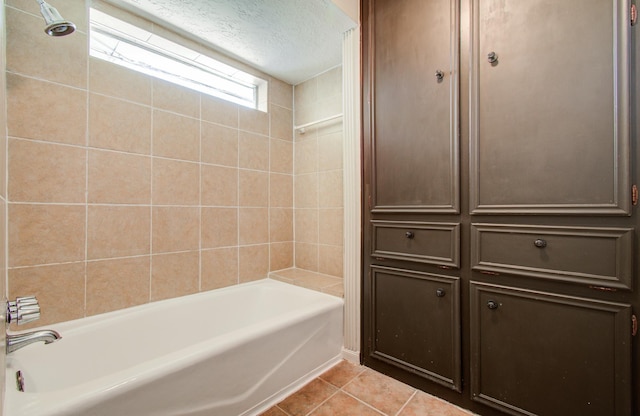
x=175 y=274
x=254 y=262
x=219 y=111
x=119 y=178
x=253 y=225
x=253 y=151
x=329 y=107
x=175 y=229
x=281 y=156
x=171 y=97
x=330 y=189
x=120 y=82
x=46 y=111
x=306 y=225
x=281 y=255
x=175 y=182
x=219 y=144
x=176 y=136
x=332 y=127
x=117 y=284
x=118 y=231
x=330 y=260
x=29 y=52
x=219 y=268
x=330 y=226
x=281 y=122
x=42 y=234
x=306 y=92
x=330 y=152
x=253 y=121
x=304 y=114
x=219 y=227
x=59 y=289
x=280 y=93
x=119 y=125
x=280 y=190
x=306 y=191
x=253 y=188
x=281 y=224
x=306 y=256
x=306 y=156
x=219 y=186
x=329 y=83
x=3 y=152
x=42 y=172
x=3 y=241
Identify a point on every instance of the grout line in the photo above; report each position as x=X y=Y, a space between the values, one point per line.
x=86 y=188
x=151 y=206
x=415 y=392
x=200 y=194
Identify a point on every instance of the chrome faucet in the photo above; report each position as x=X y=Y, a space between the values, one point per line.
x=22 y=311
x=15 y=342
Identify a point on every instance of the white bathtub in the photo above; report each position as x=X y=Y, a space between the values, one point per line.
x=233 y=351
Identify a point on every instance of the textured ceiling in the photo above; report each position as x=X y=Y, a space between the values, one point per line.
x=292 y=40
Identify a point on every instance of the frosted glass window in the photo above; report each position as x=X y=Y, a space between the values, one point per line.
x=124 y=44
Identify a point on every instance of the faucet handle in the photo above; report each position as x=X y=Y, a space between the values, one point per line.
x=23 y=310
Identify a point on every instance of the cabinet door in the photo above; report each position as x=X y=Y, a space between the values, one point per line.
x=415 y=323
x=535 y=353
x=414 y=63
x=550 y=107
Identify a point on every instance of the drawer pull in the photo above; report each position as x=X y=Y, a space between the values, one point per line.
x=409 y=235
x=540 y=243
x=440 y=293
x=492 y=305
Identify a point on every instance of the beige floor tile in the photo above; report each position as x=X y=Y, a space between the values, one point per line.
x=423 y=404
x=342 y=404
x=342 y=373
x=274 y=411
x=307 y=398
x=382 y=392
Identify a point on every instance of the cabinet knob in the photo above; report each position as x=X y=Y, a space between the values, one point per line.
x=439 y=75
x=492 y=304
x=409 y=235
x=440 y=293
x=492 y=57
x=540 y=243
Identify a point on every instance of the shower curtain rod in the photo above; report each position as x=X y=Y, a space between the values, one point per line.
x=303 y=126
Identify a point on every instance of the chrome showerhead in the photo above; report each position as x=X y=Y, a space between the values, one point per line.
x=56 y=25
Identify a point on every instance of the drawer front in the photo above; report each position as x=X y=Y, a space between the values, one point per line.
x=423 y=242
x=585 y=255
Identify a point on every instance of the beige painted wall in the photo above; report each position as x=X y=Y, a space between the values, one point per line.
x=124 y=189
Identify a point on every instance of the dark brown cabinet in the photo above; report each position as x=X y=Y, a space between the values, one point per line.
x=499 y=219
x=547 y=354
x=549 y=107
x=416 y=323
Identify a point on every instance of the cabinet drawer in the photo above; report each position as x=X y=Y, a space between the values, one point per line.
x=586 y=255
x=423 y=242
x=539 y=353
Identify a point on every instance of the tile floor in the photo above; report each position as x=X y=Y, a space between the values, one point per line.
x=351 y=390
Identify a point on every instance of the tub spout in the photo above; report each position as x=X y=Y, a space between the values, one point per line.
x=15 y=342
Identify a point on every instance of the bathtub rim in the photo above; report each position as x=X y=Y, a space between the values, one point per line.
x=93 y=390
